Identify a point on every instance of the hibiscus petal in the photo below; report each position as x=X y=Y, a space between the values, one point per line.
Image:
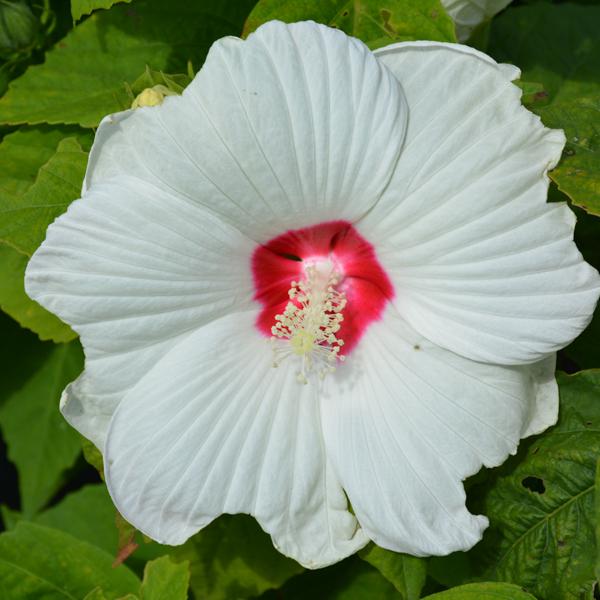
x=468 y=14
x=213 y=428
x=406 y=421
x=297 y=125
x=134 y=269
x=544 y=411
x=481 y=264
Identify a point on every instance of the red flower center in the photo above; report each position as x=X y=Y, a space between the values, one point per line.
x=284 y=259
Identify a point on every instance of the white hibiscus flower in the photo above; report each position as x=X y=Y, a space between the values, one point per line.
x=403 y=190
x=469 y=14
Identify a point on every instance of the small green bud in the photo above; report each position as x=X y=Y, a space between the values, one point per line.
x=19 y=28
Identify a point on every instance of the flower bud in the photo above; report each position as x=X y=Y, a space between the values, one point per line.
x=152 y=96
x=19 y=27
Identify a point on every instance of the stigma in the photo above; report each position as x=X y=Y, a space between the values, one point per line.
x=308 y=326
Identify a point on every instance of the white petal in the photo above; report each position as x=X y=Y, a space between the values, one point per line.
x=405 y=422
x=481 y=264
x=544 y=411
x=468 y=14
x=134 y=269
x=296 y=125
x=213 y=428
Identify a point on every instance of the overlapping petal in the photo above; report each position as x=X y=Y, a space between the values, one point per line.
x=405 y=422
x=134 y=269
x=213 y=428
x=482 y=265
x=297 y=125
x=544 y=411
x=469 y=14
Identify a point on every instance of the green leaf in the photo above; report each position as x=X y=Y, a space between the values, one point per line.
x=483 y=591
x=17 y=341
x=24 y=219
x=541 y=503
x=22 y=154
x=40 y=442
x=79 y=8
x=406 y=573
x=38 y=562
x=164 y=578
x=578 y=174
x=234 y=558
x=557 y=45
x=16 y=303
x=84 y=74
x=93 y=456
x=72 y=515
x=10 y=517
x=597 y=515
x=351 y=579
x=149 y=78
x=377 y=23
x=534 y=93
x=450 y=570
x=554 y=44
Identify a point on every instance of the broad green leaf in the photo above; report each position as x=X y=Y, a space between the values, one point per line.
x=351 y=579
x=597 y=516
x=578 y=174
x=557 y=45
x=450 y=570
x=79 y=8
x=164 y=578
x=553 y=44
x=234 y=558
x=38 y=562
x=72 y=515
x=376 y=22
x=87 y=514
x=24 y=219
x=22 y=154
x=541 y=503
x=483 y=591
x=534 y=93
x=10 y=517
x=16 y=303
x=40 y=442
x=149 y=78
x=406 y=573
x=84 y=74
x=42 y=166
x=17 y=342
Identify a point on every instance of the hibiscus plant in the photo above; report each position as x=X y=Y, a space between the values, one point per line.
x=298 y=300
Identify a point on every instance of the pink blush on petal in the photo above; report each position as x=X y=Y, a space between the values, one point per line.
x=284 y=258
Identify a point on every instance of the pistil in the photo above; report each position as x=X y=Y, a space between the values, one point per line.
x=308 y=326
